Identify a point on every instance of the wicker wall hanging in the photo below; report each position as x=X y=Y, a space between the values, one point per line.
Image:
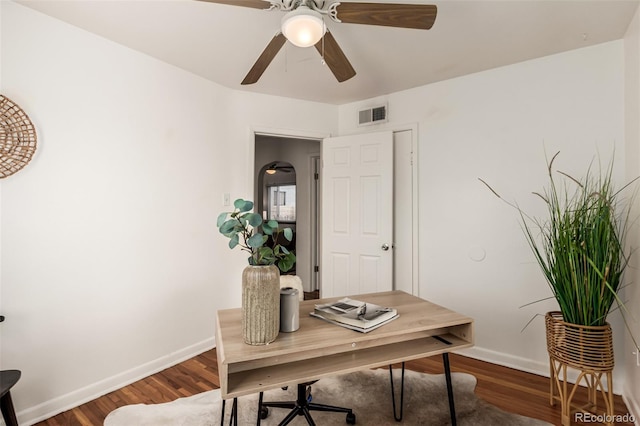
x=17 y=138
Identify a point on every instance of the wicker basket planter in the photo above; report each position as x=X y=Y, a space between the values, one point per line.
x=587 y=349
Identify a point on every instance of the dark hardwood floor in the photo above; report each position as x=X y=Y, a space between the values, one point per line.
x=509 y=389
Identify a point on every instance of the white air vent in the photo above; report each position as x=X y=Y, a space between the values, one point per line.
x=372 y=115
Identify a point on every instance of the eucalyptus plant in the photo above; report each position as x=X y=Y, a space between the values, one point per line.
x=580 y=245
x=247 y=230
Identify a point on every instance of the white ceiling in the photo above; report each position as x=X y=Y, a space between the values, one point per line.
x=221 y=42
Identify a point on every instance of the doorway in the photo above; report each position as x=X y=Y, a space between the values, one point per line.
x=290 y=159
x=276 y=200
x=306 y=148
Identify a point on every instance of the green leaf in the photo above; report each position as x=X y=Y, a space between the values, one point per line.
x=267 y=229
x=243 y=205
x=256 y=240
x=228 y=226
x=234 y=241
x=267 y=253
x=254 y=219
x=264 y=256
x=221 y=218
x=286 y=263
x=288 y=234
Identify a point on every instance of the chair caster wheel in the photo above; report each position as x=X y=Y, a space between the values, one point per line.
x=351 y=418
x=264 y=413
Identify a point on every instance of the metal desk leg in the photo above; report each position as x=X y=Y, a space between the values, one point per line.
x=259 y=408
x=233 y=419
x=393 y=395
x=234 y=413
x=447 y=374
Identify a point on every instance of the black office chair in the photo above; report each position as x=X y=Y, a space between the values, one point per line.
x=8 y=378
x=302 y=407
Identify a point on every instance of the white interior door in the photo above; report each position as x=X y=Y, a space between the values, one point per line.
x=357 y=214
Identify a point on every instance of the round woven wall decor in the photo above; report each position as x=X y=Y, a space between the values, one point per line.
x=17 y=138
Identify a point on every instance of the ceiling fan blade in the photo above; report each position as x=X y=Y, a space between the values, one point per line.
x=418 y=16
x=256 y=4
x=335 y=58
x=265 y=59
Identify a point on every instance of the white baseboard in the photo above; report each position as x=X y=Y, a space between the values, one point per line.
x=88 y=393
x=522 y=364
x=506 y=360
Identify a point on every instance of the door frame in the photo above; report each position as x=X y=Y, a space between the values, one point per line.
x=256 y=131
x=394 y=128
x=304 y=134
x=315 y=164
x=271 y=131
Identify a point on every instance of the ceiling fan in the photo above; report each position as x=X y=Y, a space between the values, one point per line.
x=276 y=167
x=304 y=26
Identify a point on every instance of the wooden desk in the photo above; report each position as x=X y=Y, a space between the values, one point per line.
x=319 y=349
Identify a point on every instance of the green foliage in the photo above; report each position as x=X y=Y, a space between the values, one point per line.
x=247 y=230
x=580 y=246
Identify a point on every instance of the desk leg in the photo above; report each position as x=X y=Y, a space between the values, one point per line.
x=447 y=374
x=234 y=413
x=393 y=394
x=233 y=419
x=259 y=408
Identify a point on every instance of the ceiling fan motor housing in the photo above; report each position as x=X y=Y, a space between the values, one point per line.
x=303 y=27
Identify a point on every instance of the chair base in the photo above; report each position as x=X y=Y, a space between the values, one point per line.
x=302 y=407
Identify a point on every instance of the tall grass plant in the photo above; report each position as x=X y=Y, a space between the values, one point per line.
x=580 y=245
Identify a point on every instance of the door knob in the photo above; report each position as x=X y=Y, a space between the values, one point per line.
x=385 y=247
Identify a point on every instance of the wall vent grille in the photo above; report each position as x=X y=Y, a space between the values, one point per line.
x=373 y=115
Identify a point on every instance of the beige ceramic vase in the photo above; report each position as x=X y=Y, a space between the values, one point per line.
x=260 y=304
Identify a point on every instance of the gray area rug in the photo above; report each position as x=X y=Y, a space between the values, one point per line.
x=366 y=392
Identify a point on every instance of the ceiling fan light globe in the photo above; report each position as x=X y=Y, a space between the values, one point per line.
x=303 y=27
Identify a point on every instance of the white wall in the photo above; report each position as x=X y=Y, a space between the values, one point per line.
x=497 y=125
x=112 y=267
x=631 y=391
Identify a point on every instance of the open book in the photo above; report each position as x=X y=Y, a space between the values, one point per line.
x=354 y=314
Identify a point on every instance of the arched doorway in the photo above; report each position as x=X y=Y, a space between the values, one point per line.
x=303 y=154
x=277 y=198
